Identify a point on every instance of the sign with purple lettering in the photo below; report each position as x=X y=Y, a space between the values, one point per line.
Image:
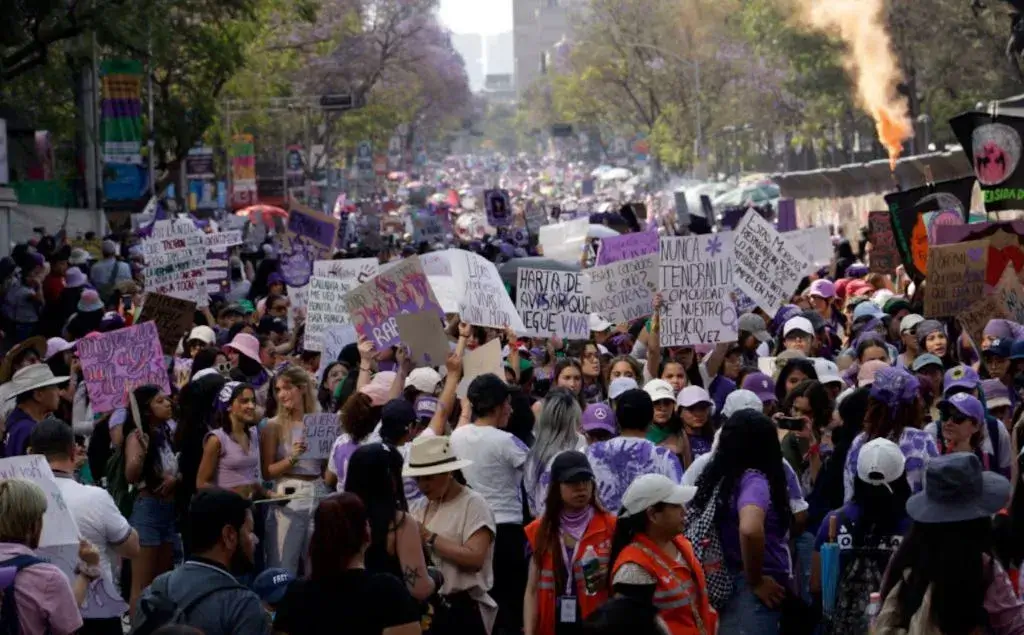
x=627 y=247
x=120 y=361
x=402 y=288
x=499 y=208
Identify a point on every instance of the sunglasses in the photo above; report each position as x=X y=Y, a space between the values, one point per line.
x=224 y=368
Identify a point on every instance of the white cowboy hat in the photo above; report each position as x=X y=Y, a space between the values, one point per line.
x=33 y=377
x=432 y=455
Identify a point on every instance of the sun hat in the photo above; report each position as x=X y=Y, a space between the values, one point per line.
x=828 y=372
x=89 y=301
x=798 y=324
x=868 y=370
x=693 y=395
x=379 y=388
x=761 y=385
x=755 y=325
x=965 y=404
x=245 y=344
x=822 y=288
x=741 y=400
x=79 y=256
x=56 y=345
x=598 y=416
x=997 y=395
x=33 y=377
x=432 y=455
x=620 y=385
x=598 y=324
x=74 y=278
x=426 y=406
x=205 y=335
x=36 y=344
x=957 y=489
x=927 y=359
x=659 y=390
x=423 y=379
x=272 y=584
x=894 y=386
x=571 y=466
x=880 y=462
x=960 y=376
x=910 y=322
x=649 y=490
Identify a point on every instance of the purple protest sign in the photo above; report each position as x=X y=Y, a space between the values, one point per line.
x=499 y=208
x=118 y=362
x=319 y=228
x=785 y=217
x=626 y=246
x=402 y=288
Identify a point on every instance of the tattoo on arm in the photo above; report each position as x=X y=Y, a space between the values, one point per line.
x=411 y=575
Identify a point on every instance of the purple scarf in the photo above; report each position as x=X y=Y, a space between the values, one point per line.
x=575 y=523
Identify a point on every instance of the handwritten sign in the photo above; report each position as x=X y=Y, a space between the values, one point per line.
x=430 y=226
x=308 y=223
x=624 y=290
x=423 y=334
x=120 y=361
x=221 y=240
x=1011 y=294
x=333 y=339
x=696 y=279
x=766 y=266
x=175 y=255
x=552 y=303
x=172 y=316
x=627 y=247
x=956 y=278
x=482 y=299
x=351 y=272
x=320 y=430
x=309 y=236
x=325 y=306
x=814 y=243
x=974 y=318
x=884 y=256
x=373 y=305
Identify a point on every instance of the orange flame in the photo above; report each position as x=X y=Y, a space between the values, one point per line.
x=892 y=132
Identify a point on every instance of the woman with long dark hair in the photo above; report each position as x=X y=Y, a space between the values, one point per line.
x=375 y=475
x=151 y=465
x=944 y=577
x=231 y=452
x=574 y=529
x=653 y=562
x=339 y=583
x=746 y=482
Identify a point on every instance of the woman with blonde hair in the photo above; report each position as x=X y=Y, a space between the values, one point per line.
x=46 y=601
x=282 y=444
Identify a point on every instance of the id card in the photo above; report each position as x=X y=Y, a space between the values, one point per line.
x=567 y=609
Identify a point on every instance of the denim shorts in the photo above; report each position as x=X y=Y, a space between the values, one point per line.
x=154 y=520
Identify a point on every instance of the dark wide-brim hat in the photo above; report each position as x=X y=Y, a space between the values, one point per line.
x=957 y=489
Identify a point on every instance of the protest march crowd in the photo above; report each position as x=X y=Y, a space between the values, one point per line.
x=547 y=422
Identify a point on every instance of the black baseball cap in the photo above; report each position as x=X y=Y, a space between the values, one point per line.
x=571 y=467
x=397 y=416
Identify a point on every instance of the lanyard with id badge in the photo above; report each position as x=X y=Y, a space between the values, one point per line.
x=568 y=604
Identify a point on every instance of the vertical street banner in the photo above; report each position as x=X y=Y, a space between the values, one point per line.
x=202 y=185
x=121 y=129
x=243 y=170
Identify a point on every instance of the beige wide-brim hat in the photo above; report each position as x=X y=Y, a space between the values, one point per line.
x=432 y=455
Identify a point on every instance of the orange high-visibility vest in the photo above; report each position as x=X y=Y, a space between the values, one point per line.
x=598 y=535
x=681 y=595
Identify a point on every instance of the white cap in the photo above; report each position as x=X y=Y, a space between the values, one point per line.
x=620 y=385
x=828 y=372
x=693 y=395
x=797 y=323
x=741 y=400
x=880 y=297
x=650 y=489
x=202 y=333
x=599 y=324
x=659 y=390
x=910 y=321
x=424 y=379
x=880 y=462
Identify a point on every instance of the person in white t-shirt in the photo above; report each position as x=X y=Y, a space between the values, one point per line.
x=496 y=473
x=99 y=521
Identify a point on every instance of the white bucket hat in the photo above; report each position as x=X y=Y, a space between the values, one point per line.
x=432 y=455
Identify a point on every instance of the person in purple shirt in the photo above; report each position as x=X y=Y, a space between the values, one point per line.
x=36 y=392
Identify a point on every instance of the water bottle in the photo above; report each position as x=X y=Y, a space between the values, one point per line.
x=591 y=566
x=874 y=607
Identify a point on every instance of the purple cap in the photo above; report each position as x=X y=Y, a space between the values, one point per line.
x=598 y=416
x=822 y=289
x=425 y=407
x=966 y=404
x=894 y=386
x=960 y=377
x=761 y=385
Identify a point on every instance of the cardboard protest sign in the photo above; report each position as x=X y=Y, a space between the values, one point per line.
x=319 y=432
x=352 y=272
x=325 y=306
x=172 y=316
x=696 y=278
x=767 y=267
x=552 y=303
x=438 y=268
x=814 y=243
x=564 y=241
x=483 y=300
x=1011 y=293
x=480 y=361
x=423 y=334
x=976 y=316
x=1005 y=244
x=907 y=209
x=884 y=257
x=956 y=278
x=499 y=208
x=332 y=340
x=175 y=254
x=120 y=361
x=373 y=305
x=627 y=247
x=624 y=290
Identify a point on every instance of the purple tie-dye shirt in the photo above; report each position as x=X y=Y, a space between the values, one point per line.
x=617 y=462
x=917 y=446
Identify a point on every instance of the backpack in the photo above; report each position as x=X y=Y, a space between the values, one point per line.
x=860 y=575
x=156 y=608
x=9 y=624
x=702 y=532
x=117 y=483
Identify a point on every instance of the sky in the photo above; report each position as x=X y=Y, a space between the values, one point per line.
x=477 y=16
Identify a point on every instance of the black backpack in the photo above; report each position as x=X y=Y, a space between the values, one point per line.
x=9 y=624
x=157 y=609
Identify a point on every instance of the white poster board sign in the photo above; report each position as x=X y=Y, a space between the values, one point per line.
x=767 y=267
x=483 y=300
x=552 y=303
x=325 y=307
x=696 y=280
x=624 y=290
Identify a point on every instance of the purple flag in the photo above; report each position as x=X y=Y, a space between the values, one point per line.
x=785 y=218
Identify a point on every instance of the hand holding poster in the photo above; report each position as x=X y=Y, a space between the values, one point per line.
x=320 y=431
x=627 y=247
x=483 y=300
x=403 y=288
x=624 y=290
x=956 y=278
x=118 y=362
x=696 y=279
x=552 y=303
x=325 y=307
x=767 y=267
x=480 y=361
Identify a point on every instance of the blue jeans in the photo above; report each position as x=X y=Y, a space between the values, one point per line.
x=804 y=551
x=154 y=520
x=744 y=614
